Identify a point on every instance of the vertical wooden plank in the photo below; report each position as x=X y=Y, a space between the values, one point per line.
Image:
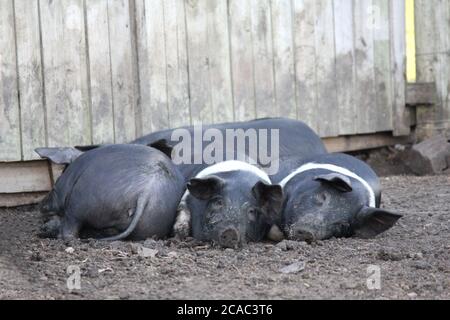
x=242 y=59
x=345 y=65
x=143 y=70
x=398 y=67
x=365 y=96
x=263 y=58
x=176 y=58
x=426 y=60
x=382 y=65
x=65 y=72
x=100 y=71
x=155 y=114
x=199 y=83
x=209 y=61
x=305 y=61
x=283 y=53
x=9 y=105
x=32 y=110
x=123 y=70
x=219 y=61
x=328 y=125
x=442 y=76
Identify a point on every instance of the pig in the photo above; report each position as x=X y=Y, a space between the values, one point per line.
x=330 y=195
x=295 y=139
x=132 y=189
x=229 y=203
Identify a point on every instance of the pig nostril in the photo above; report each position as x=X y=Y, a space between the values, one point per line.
x=229 y=238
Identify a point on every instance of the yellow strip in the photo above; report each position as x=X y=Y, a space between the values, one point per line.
x=410 y=42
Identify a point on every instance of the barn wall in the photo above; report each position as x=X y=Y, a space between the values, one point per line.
x=77 y=72
x=433 y=63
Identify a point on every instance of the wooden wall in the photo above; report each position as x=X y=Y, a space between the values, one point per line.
x=433 y=63
x=76 y=72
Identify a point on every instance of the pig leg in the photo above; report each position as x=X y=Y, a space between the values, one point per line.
x=182 y=226
x=70 y=228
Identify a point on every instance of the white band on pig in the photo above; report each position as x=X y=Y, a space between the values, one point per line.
x=228 y=166
x=331 y=167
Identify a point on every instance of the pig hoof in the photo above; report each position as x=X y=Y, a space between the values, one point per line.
x=182 y=226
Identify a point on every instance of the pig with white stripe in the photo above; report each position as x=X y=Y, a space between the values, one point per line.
x=330 y=195
x=229 y=203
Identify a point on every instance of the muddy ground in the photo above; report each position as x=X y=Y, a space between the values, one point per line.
x=413 y=258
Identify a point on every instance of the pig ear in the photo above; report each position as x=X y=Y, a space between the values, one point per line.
x=373 y=221
x=270 y=197
x=163 y=146
x=205 y=188
x=336 y=180
x=59 y=155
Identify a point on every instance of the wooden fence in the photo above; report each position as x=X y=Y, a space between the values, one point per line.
x=433 y=63
x=76 y=72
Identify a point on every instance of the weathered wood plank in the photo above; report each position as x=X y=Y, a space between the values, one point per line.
x=154 y=105
x=328 y=124
x=421 y=93
x=363 y=142
x=398 y=67
x=198 y=59
x=31 y=88
x=365 y=95
x=442 y=12
x=176 y=59
x=382 y=66
x=124 y=79
x=65 y=76
x=263 y=58
x=426 y=60
x=433 y=63
x=143 y=123
x=10 y=149
x=242 y=60
x=283 y=56
x=219 y=61
x=20 y=199
x=100 y=71
x=345 y=66
x=28 y=176
x=305 y=61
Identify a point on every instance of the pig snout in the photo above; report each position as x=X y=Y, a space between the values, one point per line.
x=229 y=238
x=300 y=234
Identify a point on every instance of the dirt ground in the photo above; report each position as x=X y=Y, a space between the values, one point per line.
x=413 y=258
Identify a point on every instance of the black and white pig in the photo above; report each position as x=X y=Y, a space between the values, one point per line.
x=230 y=203
x=331 y=195
x=132 y=189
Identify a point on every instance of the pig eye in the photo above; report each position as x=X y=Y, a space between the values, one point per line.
x=218 y=202
x=322 y=197
x=251 y=213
